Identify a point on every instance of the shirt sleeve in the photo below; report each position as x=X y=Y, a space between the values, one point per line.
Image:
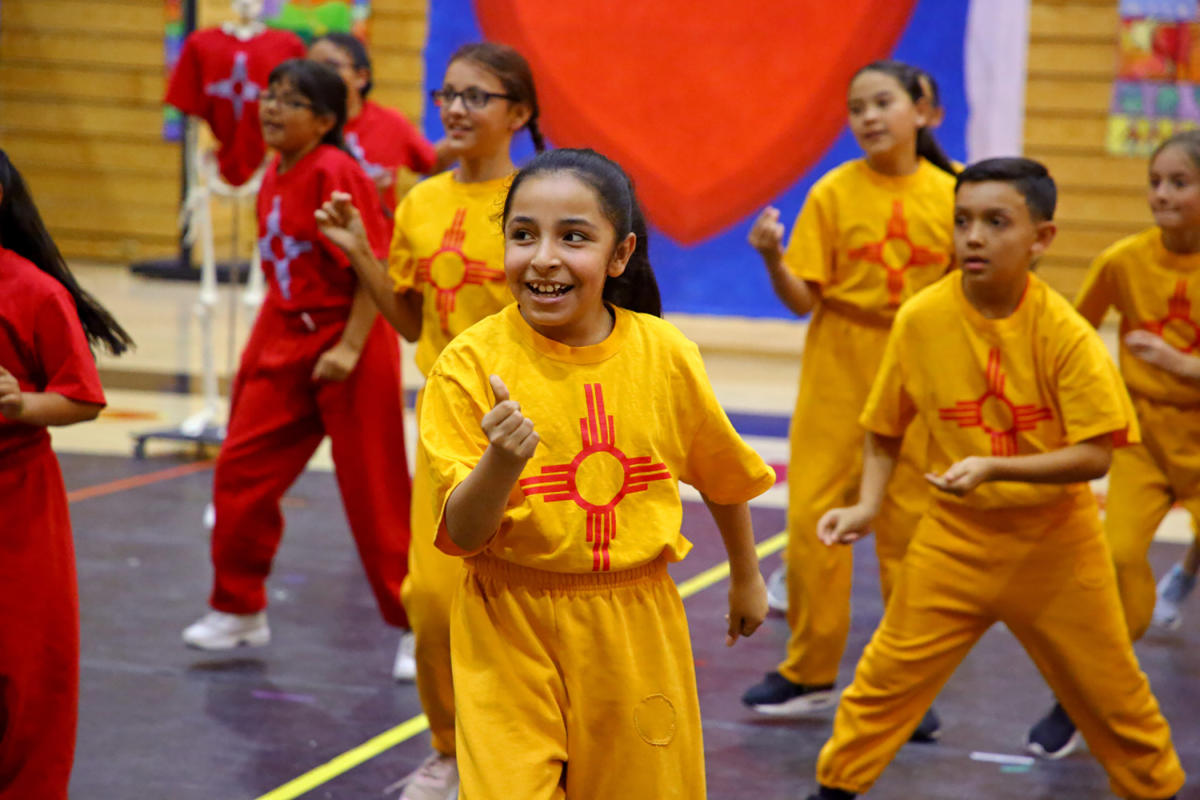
x=402 y=267
x=183 y=89
x=452 y=439
x=810 y=252
x=1091 y=395
x=1097 y=293
x=719 y=464
x=889 y=409
x=62 y=348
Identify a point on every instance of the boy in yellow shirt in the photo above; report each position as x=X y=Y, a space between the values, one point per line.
x=1018 y=425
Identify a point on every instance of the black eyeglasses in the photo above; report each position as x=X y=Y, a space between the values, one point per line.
x=291 y=103
x=474 y=98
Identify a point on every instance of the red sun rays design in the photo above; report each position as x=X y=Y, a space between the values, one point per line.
x=1179 y=309
x=918 y=256
x=969 y=413
x=558 y=482
x=474 y=271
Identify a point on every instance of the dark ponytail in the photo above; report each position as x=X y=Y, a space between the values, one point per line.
x=910 y=78
x=513 y=72
x=322 y=87
x=23 y=232
x=636 y=288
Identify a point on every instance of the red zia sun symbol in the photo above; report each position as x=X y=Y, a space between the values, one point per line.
x=1000 y=418
x=561 y=481
x=1179 y=312
x=448 y=269
x=896 y=252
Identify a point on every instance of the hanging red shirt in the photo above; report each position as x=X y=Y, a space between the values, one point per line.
x=219 y=78
x=42 y=344
x=305 y=271
x=383 y=140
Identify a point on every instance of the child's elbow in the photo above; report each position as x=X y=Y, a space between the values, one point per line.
x=1098 y=460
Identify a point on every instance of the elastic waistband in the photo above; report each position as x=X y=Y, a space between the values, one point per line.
x=312 y=320
x=497 y=569
x=28 y=452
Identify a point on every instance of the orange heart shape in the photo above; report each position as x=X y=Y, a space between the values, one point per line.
x=712 y=108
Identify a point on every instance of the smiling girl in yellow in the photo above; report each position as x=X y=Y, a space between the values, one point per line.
x=445 y=273
x=871 y=234
x=557 y=431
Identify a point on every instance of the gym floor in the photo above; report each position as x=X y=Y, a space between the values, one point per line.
x=316 y=715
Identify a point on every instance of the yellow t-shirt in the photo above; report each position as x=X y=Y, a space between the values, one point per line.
x=1155 y=290
x=448 y=245
x=620 y=423
x=871 y=240
x=1036 y=381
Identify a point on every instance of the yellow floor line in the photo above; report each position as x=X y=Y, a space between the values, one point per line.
x=408 y=729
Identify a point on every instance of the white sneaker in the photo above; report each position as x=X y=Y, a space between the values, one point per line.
x=218 y=630
x=405 y=667
x=777 y=595
x=435 y=779
x=1173 y=589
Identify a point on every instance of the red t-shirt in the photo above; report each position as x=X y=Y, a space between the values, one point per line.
x=219 y=78
x=383 y=140
x=42 y=344
x=305 y=271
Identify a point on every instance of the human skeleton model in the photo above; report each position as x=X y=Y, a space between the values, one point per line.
x=219 y=77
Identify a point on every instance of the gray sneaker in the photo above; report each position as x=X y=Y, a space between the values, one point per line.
x=777 y=595
x=1173 y=589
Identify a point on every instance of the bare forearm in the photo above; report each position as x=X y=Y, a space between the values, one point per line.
x=361 y=320
x=373 y=277
x=793 y=292
x=737 y=532
x=1074 y=464
x=476 y=506
x=51 y=408
x=879 y=461
x=1185 y=367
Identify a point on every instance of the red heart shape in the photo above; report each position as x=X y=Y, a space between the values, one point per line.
x=713 y=107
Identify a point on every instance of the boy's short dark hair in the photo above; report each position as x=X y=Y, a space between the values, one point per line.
x=1027 y=176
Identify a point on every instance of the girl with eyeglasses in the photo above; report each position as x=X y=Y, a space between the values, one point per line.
x=445 y=272
x=319 y=362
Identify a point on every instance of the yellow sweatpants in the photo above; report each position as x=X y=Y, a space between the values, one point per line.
x=427 y=593
x=578 y=686
x=824 y=468
x=1144 y=482
x=1047 y=574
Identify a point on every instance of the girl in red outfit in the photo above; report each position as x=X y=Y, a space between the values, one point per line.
x=382 y=140
x=47 y=377
x=319 y=361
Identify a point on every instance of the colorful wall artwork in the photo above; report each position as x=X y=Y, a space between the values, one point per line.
x=1157 y=88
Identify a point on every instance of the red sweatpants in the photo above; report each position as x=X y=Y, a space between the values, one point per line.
x=278 y=417
x=39 y=628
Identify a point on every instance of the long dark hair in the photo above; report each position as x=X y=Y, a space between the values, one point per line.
x=322 y=87
x=353 y=47
x=910 y=78
x=23 y=232
x=513 y=72
x=636 y=288
x=1188 y=140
